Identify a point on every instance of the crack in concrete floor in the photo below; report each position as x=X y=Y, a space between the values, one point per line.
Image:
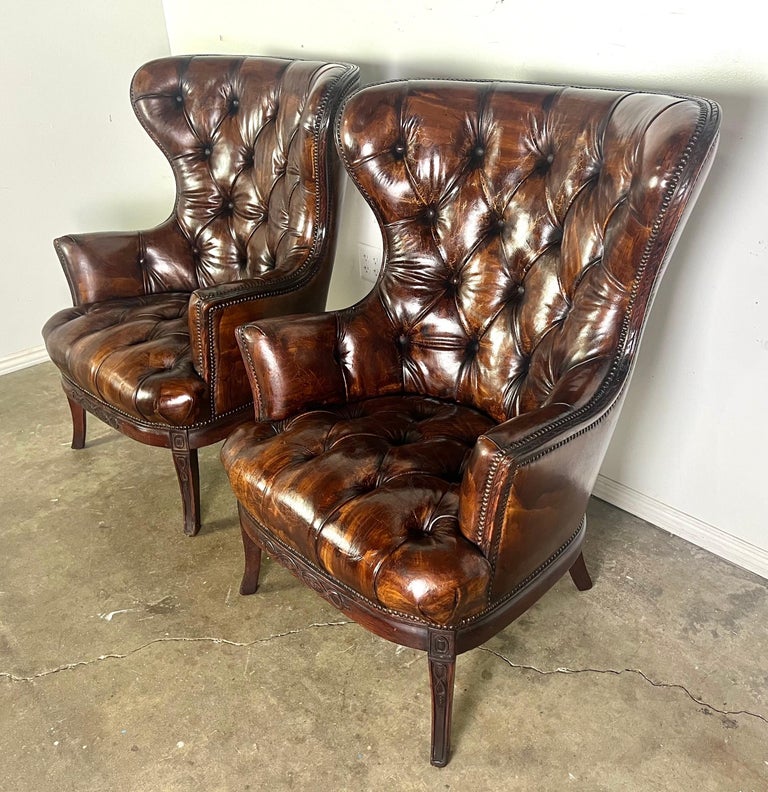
x=620 y=672
x=317 y=625
x=167 y=639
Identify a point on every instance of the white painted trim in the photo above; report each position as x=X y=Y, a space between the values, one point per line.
x=687 y=527
x=23 y=359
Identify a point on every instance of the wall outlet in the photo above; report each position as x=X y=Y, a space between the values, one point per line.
x=369 y=261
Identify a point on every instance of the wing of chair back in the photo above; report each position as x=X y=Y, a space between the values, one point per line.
x=149 y=345
x=423 y=459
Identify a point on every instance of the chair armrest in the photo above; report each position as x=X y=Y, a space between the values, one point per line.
x=101 y=266
x=214 y=315
x=293 y=364
x=113 y=265
x=527 y=484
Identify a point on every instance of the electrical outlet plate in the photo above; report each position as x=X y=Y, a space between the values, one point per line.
x=369 y=262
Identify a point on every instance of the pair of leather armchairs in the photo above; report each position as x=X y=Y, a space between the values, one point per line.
x=424 y=458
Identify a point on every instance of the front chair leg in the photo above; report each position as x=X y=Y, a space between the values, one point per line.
x=188 y=474
x=442 y=667
x=78 y=423
x=250 y=580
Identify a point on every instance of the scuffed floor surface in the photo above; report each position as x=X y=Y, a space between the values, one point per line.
x=128 y=661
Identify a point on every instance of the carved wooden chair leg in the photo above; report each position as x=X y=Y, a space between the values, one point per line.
x=250 y=580
x=188 y=474
x=78 y=424
x=580 y=574
x=442 y=667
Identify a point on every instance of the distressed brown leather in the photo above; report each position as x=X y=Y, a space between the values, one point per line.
x=149 y=345
x=423 y=459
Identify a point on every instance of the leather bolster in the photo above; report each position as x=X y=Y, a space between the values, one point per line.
x=214 y=316
x=205 y=304
x=293 y=364
x=101 y=266
x=529 y=478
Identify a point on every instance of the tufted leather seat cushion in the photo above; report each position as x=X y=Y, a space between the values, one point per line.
x=134 y=355
x=368 y=492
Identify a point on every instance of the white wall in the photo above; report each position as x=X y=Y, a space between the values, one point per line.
x=689 y=451
x=74 y=156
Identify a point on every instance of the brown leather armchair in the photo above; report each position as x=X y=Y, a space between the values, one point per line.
x=149 y=346
x=423 y=459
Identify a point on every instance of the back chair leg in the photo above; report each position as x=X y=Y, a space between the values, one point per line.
x=580 y=574
x=78 y=423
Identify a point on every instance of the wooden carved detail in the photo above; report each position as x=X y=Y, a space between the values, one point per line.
x=440 y=683
x=180 y=449
x=182 y=467
x=442 y=645
x=101 y=411
x=179 y=441
x=309 y=578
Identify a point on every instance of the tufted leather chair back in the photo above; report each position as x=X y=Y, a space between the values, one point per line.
x=243 y=138
x=522 y=228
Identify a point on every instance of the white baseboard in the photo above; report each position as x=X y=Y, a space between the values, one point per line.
x=23 y=359
x=693 y=530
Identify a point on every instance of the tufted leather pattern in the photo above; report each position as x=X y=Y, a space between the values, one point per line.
x=514 y=233
x=252 y=234
x=384 y=476
x=434 y=446
x=134 y=354
x=423 y=459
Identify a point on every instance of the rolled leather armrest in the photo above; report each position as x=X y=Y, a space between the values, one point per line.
x=113 y=265
x=215 y=314
x=101 y=266
x=293 y=364
x=527 y=484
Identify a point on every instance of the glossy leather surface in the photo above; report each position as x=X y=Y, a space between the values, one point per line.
x=525 y=228
x=252 y=234
x=380 y=479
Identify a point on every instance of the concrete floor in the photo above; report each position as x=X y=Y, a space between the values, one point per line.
x=129 y=661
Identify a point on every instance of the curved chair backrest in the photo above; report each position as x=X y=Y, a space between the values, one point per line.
x=525 y=229
x=249 y=144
